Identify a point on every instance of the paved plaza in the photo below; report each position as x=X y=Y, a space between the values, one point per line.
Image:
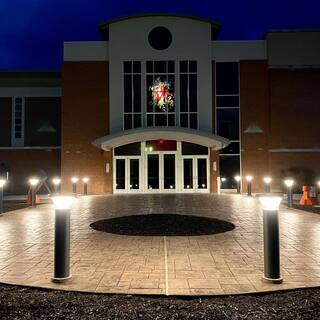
x=225 y=263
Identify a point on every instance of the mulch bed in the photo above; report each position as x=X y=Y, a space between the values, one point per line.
x=28 y=303
x=307 y=208
x=14 y=205
x=163 y=225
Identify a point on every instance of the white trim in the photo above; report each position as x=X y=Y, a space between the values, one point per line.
x=30 y=148
x=86 y=51
x=294 y=150
x=30 y=92
x=206 y=139
x=233 y=51
x=17 y=142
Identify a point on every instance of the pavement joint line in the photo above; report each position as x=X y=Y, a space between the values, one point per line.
x=166 y=264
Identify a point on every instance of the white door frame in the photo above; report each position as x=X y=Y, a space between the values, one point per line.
x=195 y=173
x=161 y=155
x=127 y=175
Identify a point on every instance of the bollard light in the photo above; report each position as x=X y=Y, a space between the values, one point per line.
x=74 y=181
x=271 y=238
x=289 y=183
x=56 y=184
x=249 y=182
x=238 y=180
x=267 y=182
x=85 y=181
x=2 y=183
x=33 y=183
x=62 y=206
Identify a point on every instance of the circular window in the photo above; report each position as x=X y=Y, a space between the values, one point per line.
x=160 y=38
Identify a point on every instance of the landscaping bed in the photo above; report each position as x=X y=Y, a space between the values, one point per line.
x=30 y=303
x=168 y=224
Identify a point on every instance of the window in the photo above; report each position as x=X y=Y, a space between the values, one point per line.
x=188 y=94
x=228 y=120
x=160 y=93
x=18 y=122
x=229 y=168
x=132 y=116
x=160 y=38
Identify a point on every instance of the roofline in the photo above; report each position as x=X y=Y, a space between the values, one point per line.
x=204 y=138
x=104 y=26
x=290 y=31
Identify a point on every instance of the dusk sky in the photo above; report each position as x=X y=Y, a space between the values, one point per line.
x=32 y=31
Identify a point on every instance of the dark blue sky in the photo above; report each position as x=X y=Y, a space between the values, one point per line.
x=32 y=31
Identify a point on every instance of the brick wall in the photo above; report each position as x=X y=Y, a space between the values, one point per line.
x=25 y=163
x=85 y=106
x=254 y=108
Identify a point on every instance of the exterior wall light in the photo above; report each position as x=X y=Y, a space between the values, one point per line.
x=267 y=182
x=2 y=183
x=56 y=184
x=249 y=185
x=85 y=181
x=289 y=183
x=238 y=180
x=62 y=206
x=33 y=183
x=74 y=181
x=271 y=238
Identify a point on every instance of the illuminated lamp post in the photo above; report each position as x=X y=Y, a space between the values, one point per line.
x=33 y=183
x=249 y=184
x=62 y=206
x=238 y=180
x=289 y=183
x=271 y=238
x=56 y=184
x=85 y=181
x=267 y=182
x=74 y=181
x=2 y=183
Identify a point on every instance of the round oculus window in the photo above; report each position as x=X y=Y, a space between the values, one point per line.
x=160 y=38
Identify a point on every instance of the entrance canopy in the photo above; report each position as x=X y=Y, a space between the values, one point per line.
x=203 y=138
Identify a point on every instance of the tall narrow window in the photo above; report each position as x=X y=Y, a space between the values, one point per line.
x=132 y=116
x=160 y=93
x=228 y=120
x=18 y=122
x=188 y=94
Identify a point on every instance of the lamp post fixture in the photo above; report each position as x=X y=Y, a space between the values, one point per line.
x=56 y=184
x=62 y=206
x=85 y=181
x=74 y=181
x=2 y=183
x=271 y=238
x=238 y=180
x=267 y=181
x=289 y=183
x=33 y=183
x=249 y=182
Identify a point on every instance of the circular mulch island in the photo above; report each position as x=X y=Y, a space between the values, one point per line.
x=163 y=225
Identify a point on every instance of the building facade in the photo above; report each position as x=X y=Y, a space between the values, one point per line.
x=161 y=105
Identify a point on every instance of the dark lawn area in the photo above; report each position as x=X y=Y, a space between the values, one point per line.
x=28 y=303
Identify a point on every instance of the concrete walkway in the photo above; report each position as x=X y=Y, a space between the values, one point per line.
x=225 y=263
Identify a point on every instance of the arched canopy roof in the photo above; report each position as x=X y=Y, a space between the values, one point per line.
x=206 y=139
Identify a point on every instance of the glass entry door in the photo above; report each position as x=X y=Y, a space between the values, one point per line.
x=161 y=172
x=195 y=174
x=127 y=174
